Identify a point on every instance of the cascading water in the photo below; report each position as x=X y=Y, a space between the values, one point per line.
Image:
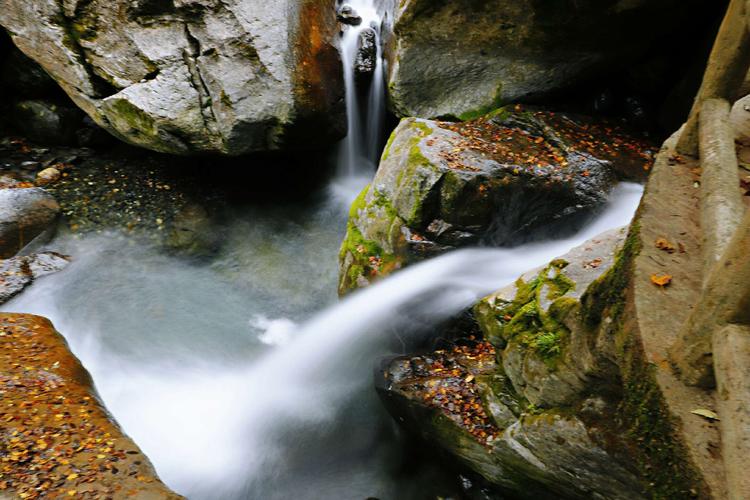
x=360 y=150
x=227 y=374
x=179 y=351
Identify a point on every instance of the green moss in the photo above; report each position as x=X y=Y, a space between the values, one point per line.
x=497 y=102
x=644 y=420
x=387 y=150
x=369 y=259
x=135 y=118
x=525 y=319
x=359 y=203
x=606 y=293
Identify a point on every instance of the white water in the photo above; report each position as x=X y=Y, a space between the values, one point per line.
x=178 y=358
x=360 y=150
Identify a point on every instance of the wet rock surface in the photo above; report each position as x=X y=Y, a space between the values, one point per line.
x=473 y=403
x=347 y=15
x=19 y=272
x=464 y=58
x=26 y=213
x=509 y=177
x=367 y=52
x=186 y=77
x=56 y=438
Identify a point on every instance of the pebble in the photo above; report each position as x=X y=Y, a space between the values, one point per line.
x=48 y=176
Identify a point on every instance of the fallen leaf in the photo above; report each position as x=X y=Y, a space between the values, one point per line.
x=662 y=280
x=665 y=245
x=705 y=414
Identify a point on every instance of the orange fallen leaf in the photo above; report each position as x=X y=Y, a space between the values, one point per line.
x=662 y=280
x=665 y=245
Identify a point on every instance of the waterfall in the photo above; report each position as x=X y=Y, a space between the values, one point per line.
x=360 y=150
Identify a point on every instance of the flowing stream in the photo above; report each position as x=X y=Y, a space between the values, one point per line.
x=243 y=376
x=228 y=378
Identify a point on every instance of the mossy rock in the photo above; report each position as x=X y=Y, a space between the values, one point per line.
x=439 y=188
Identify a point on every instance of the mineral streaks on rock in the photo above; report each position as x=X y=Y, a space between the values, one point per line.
x=185 y=77
x=56 y=439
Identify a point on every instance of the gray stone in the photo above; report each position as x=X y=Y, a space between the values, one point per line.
x=19 y=272
x=546 y=438
x=187 y=76
x=347 y=15
x=46 y=122
x=25 y=214
x=459 y=57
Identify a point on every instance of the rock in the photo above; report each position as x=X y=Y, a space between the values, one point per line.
x=183 y=77
x=463 y=58
x=347 y=15
x=25 y=214
x=49 y=175
x=71 y=438
x=92 y=135
x=536 y=427
x=193 y=232
x=509 y=177
x=546 y=357
x=367 y=53
x=25 y=78
x=46 y=122
x=19 y=272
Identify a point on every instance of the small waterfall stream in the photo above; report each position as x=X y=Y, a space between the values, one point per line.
x=360 y=150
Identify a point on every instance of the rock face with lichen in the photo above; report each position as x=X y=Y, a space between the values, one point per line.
x=502 y=179
x=463 y=58
x=526 y=407
x=190 y=76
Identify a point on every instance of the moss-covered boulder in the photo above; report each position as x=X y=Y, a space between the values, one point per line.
x=504 y=178
x=463 y=57
x=524 y=407
x=582 y=342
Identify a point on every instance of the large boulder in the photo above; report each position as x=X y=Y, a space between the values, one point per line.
x=25 y=214
x=179 y=77
x=503 y=179
x=57 y=439
x=464 y=57
x=528 y=409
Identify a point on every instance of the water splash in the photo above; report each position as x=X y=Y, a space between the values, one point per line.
x=301 y=420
